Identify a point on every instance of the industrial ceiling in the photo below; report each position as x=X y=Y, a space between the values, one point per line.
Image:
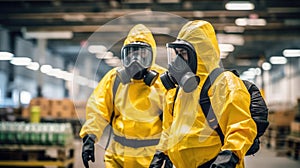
x=83 y=18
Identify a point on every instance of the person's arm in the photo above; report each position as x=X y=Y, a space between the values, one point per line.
x=161 y=157
x=236 y=123
x=98 y=114
x=99 y=107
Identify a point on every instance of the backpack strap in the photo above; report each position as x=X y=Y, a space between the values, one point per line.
x=114 y=91
x=115 y=87
x=175 y=96
x=205 y=103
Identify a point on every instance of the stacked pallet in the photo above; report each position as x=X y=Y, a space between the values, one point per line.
x=53 y=108
x=279 y=128
x=36 y=144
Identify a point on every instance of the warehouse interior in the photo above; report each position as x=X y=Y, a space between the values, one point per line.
x=53 y=53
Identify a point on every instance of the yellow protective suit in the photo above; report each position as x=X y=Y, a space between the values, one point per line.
x=187 y=138
x=137 y=108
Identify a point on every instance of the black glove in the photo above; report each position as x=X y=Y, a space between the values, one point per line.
x=225 y=159
x=158 y=160
x=88 y=149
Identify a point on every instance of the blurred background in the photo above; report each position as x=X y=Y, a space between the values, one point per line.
x=54 y=52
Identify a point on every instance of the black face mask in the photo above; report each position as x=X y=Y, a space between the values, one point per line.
x=180 y=74
x=136 y=71
x=180 y=71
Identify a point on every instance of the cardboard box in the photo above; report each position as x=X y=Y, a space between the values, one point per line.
x=295 y=128
x=44 y=104
x=282 y=118
x=63 y=108
x=25 y=112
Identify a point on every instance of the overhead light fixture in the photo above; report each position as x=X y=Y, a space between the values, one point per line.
x=20 y=61
x=168 y=1
x=47 y=34
x=95 y=49
x=248 y=74
x=92 y=84
x=291 y=52
x=278 y=60
x=226 y=47
x=114 y=62
x=137 y=1
x=234 y=29
x=256 y=22
x=160 y=30
x=6 y=56
x=25 y=97
x=250 y=22
x=74 y=17
x=223 y=55
x=266 y=66
x=81 y=80
x=105 y=55
x=256 y=71
x=46 y=68
x=33 y=66
x=239 y=5
x=234 y=39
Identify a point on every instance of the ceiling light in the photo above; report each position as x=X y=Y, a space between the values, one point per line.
x=25 y=97
x=160 y=30
x=20 y=61
x=223 y=55
x=256 y=22
x=256 y=71
x=33 y=66
x=92 y=84
x=234 y=29
x=137 y=1
x=168 y=1
x=239 y=5
x=291 y=53
x=266 y=66
x=226 y=47
x=105 y=55
x=74 y=17
x=47 y=34
x=97 y=49
x=250 y=22
x=6 y=56
x=54 y=72
x=81 y=80
x=278 y=60
x=67 y=76
x=241 y=21
x=46 y=68
x=114 y=62
x=231 y=39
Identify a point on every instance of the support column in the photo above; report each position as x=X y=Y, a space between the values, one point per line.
x=40 y=55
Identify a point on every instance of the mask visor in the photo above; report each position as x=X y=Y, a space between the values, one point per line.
x=140 y=52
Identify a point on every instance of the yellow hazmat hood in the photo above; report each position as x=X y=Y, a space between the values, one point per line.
x=202 y=36
x=142 y=34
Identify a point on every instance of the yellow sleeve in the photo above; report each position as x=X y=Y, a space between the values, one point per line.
x=236 y=123
x=167 y=120
x=99 y=107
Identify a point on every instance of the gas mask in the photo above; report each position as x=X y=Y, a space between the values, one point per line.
x=137 y=59
x=182 y=66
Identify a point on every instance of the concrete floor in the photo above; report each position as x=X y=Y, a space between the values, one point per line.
x=265 y=158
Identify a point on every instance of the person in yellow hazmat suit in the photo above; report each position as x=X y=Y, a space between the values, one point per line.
x=187 y=139
x=134 y=110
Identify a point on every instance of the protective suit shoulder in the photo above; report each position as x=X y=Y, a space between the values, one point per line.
x=234 y=82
